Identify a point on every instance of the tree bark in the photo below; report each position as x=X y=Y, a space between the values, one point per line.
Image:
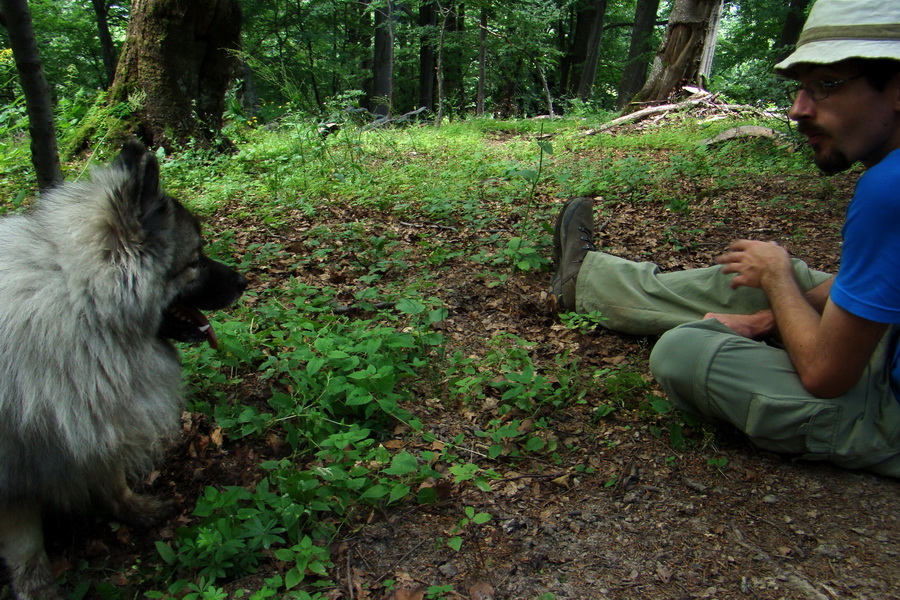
x=573 y=62
x=635 y=73
x=427 y=19
x=709 y=46
x=107 y=49
x=592 y=56
x=439 y=67
x=44 y=151
x=677 y=62
x=383 y=64
x=177 y=63
x=482 y=64
x=793 y=25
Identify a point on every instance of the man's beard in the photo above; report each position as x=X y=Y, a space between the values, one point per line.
x=833 y=163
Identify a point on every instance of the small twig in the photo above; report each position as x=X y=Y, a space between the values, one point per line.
x=534 y=476
x=401 y=559
x=350 y=592
x=355 y=308
x=428 y=226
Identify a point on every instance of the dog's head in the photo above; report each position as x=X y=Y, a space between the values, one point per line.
x=167 y=236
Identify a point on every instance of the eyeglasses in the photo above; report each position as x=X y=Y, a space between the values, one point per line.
x=820 y=89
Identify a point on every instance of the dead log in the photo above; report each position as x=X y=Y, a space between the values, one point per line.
x=703 y=98
x=747 y=131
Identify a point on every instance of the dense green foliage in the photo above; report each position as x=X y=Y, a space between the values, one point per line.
x=316 y=57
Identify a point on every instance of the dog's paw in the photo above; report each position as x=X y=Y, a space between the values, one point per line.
x=141 y=511
x=33 y=580
x=51 y=591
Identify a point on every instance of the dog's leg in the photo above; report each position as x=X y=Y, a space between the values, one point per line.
x=22 y=548
x=136 y=509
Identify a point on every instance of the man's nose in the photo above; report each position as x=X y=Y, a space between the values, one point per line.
x=803 y=107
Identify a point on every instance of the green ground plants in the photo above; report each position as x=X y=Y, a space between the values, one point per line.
x=336 y=386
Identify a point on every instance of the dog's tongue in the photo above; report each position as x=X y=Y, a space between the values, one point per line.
x=202 y=323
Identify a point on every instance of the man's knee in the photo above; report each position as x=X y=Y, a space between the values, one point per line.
x=682 y=359
x=673 y=364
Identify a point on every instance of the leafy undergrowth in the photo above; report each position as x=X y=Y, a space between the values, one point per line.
x=396 y=410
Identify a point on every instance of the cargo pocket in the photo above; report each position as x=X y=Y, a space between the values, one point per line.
x=795 y=426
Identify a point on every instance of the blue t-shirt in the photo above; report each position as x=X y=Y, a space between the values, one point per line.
x=868 y=282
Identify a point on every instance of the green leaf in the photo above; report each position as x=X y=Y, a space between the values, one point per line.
x=660 y=405
x=410 y=307
x=534 y=444
x=427 y=495
x=376 y=492
x=437 y=315
x=293 y=578
x=314 y=365
x=403 y=464
x=481 y=518
x=285 y=554
x=482 y=484
x=399 y=491
x=455 y=543
x=166 y=552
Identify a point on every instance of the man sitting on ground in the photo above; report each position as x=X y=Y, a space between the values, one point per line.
x=831 y=391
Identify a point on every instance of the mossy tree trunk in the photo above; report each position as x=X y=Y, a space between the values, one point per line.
x=175 y=68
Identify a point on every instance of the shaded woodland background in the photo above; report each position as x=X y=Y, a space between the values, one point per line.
x=173 y=69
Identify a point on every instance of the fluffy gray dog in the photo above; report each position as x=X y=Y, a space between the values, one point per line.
x=91 y=282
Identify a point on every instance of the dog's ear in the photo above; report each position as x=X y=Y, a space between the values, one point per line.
x=144 y=170
x=142 y=212
x=151 y=205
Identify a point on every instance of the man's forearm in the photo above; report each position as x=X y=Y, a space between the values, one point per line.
x=797 y=316
x=818 y=295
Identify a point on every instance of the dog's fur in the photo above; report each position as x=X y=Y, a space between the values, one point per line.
x=91 y=282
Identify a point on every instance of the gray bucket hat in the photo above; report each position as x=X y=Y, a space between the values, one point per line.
x=840 y=29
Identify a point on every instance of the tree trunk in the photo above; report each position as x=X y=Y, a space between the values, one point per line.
x=383 y=65
x=545 y=85
x=793 y=25
x=456 y=58
x=44 y=153
x=709 y=46
x=107 y=49
x=177 y=63
x=573 y=62
x=439 y=69
x=592 y=57
x=482 y=64
x=427 y=19
x=635 y=73
x=677 y=61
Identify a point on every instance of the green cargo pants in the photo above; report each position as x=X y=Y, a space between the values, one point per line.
x=709 y=370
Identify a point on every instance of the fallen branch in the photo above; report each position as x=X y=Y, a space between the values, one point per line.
x=700 y=98
x=388 y=120
x=746 y=131
x=653 y=110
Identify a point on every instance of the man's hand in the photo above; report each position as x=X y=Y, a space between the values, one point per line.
x=756 y=263
x=756 y=326
x=830 y=349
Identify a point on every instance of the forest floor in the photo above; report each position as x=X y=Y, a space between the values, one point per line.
x=715 y=519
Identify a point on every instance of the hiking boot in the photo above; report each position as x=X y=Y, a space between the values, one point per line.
x=572 y=240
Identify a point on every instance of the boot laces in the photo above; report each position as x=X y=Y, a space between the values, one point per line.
x=588 y=239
